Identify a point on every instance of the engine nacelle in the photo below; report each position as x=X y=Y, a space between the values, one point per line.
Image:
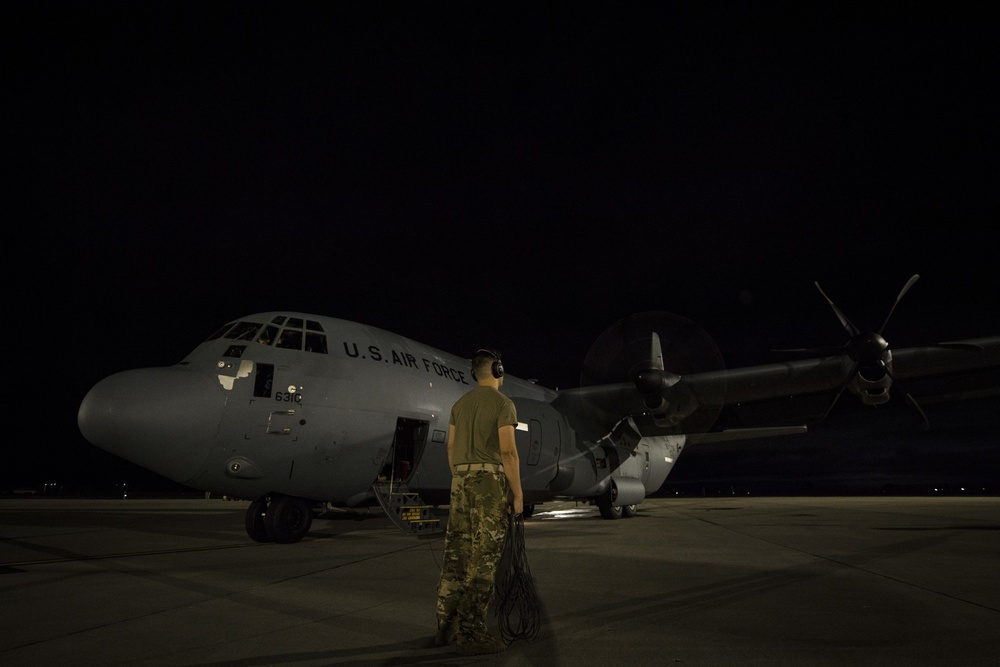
x=871 y=383
x=627 y=491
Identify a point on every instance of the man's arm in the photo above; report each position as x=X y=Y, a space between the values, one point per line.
x=512 y=466
x=451 y=439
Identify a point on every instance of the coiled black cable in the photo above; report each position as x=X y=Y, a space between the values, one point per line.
x=517 y=610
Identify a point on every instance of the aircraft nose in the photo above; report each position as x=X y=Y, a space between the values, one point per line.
x=163 y=419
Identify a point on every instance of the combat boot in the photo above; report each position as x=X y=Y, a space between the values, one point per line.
x=482 y=646
x=446 y=635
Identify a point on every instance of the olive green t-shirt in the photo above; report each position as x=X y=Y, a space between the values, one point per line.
x=477 y=418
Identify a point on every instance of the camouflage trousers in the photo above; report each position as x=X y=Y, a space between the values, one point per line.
x=477 y=525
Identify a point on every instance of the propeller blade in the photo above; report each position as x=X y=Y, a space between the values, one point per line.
x=843 y=387
x=834 y=402
x=906 y=288
x=909 y=399
x=847 y=324
x=641 y=347
x=655 y=352
x=916 y=406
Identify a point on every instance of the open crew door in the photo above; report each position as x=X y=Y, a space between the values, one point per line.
x=405 y=508
x=407 y=448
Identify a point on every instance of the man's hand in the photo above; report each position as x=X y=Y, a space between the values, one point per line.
x=511 y=468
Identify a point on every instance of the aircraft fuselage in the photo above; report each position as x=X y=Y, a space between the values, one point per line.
x=321 y=408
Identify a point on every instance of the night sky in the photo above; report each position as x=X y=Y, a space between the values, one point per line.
x=513 y=177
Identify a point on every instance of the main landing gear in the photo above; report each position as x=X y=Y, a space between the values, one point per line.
x=609 y=510
x=278 y=518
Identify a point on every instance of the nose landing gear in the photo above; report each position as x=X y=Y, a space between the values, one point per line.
x=278 y=518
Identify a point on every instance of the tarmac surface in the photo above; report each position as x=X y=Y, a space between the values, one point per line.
x=689 y=581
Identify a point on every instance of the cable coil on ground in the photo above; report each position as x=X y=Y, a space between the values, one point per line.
x=517 y=610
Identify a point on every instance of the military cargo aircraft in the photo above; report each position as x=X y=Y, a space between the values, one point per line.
x=304 y=414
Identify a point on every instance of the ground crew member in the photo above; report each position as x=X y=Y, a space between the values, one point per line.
x=484 y=466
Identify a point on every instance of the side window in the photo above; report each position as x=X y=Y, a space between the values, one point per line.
x=264 y=381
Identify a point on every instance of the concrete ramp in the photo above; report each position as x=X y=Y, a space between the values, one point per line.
x=714 y=581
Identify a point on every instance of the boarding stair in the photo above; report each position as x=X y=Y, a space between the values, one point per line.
x=406 y=509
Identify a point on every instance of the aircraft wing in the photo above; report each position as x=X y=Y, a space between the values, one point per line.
x=956 y=371
x=690 y=403
x=951 y=357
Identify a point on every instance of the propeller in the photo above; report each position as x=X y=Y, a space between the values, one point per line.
x=869 y=352
x=654 y=350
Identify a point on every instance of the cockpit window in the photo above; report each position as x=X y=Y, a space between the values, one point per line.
x=297 y=334
x=268 y=335
x=244 y=331
x=218 y=334
x=290 y=339
x=315 y=342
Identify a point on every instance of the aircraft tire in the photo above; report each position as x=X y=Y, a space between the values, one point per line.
x=288 y=519
x=629 y=511
x=608 y=511
x=255 y=520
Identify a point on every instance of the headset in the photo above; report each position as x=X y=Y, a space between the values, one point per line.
x=496 y=367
